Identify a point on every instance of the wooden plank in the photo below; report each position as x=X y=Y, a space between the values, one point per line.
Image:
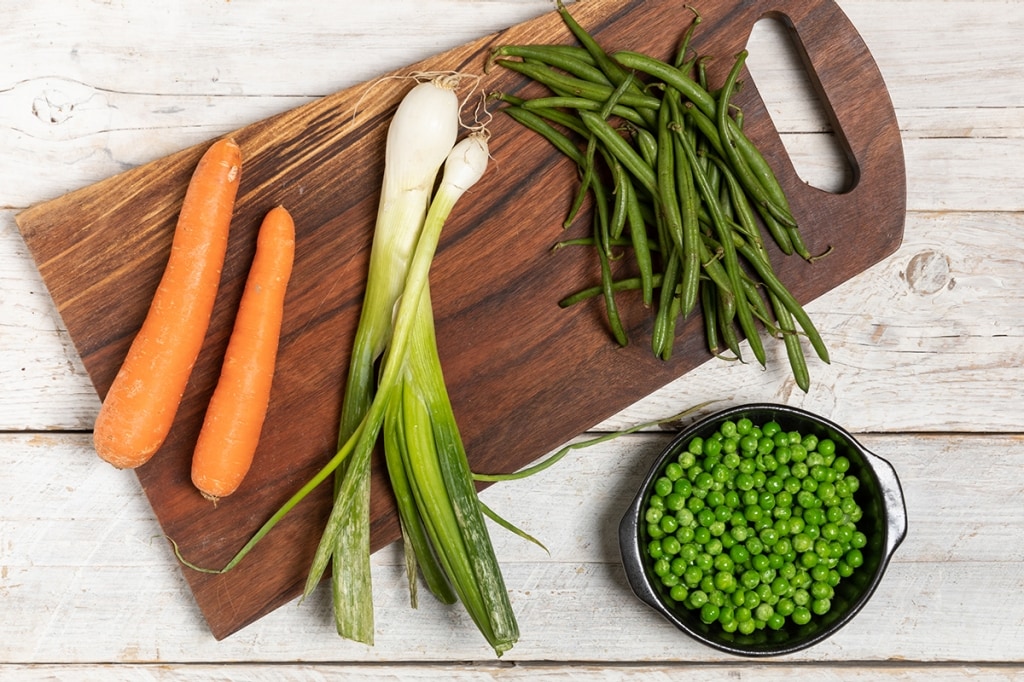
x=83 y=566
x=507 y=348
x=539 y=672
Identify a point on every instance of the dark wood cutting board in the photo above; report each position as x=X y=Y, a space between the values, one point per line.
x=525 y=376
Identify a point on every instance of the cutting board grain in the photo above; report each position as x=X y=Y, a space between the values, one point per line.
x=525 y=376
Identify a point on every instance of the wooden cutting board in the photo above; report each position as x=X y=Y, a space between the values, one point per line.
x=525 y=376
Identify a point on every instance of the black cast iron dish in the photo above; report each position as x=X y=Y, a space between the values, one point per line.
x=884 y=522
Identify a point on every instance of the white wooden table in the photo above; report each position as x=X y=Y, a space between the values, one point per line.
x=927 y=347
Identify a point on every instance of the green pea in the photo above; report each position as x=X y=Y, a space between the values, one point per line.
x=703 y=481
x=753 y=526
x=709 y=613
x=670 y=546
x=683 y=487
x=715 y=499
x=725 y=580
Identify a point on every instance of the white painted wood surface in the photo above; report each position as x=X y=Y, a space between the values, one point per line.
x=927 y=349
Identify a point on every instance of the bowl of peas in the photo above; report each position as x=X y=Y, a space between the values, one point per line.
x=763 y=529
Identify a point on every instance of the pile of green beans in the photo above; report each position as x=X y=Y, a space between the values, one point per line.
x=674 y=180
x=754 y=527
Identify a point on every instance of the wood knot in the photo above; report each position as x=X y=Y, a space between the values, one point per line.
x=928 y=273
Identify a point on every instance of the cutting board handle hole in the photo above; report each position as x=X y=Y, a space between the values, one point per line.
x=801 y=114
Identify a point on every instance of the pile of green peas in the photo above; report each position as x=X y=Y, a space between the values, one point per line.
x=754 y=526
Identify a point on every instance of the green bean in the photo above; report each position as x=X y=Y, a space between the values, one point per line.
x=586 y=179
x=709 y=312
x=684 y=183
x=613 y=71
x=706 y=104
x=589 y=241
x=544 y=53
x=537 y=124
x=757 y=305
x=742 y=213
x=621 y=194
x=726 y=329
x=684 y=43
x=794 y=351
x=569 y=62
x=743 y=314
x=571 y=67
x=764 y=271
x=641 y=247
x=603 y=251
x=668 y=201
x=618 y=286
x=648 y=145
x=565 y=102
x=669 y=75
x=728 y=139
x=621 y=150
x=574 y=86
x=663 y=334
x=588 y=167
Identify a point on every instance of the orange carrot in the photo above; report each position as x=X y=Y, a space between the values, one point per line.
x=140 y=406
x=235 y=415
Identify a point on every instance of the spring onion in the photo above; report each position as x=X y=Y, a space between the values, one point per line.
x=396 y=388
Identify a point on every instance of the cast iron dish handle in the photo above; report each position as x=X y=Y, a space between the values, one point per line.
x=895 y=504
